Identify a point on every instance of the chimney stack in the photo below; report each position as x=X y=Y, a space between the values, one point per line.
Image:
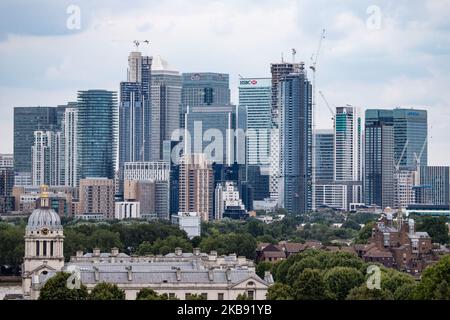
x=114 y=251
x=96 y=252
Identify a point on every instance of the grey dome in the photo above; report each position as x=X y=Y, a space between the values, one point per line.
x=44 y=218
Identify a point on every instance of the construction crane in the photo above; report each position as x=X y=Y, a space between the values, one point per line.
x=397 y=165
x=138 y=42
x=135 y=42
x=313 y=67
x=333 y=114
x=417 y=160
x=397 y=169
x=315 y=56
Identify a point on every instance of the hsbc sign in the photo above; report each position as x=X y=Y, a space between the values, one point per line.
x=248 y=82
x=255 y=82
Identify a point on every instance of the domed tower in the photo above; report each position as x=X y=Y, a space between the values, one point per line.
x=43 y=246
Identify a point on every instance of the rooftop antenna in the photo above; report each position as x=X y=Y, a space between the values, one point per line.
x=282 y=57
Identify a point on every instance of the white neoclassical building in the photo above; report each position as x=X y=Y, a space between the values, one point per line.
x=177 y=274
x=43 y=246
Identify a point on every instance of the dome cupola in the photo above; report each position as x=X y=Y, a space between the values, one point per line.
x=44 y=217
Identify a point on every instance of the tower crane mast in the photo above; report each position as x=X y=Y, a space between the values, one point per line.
x=313 y=67
x=333 y=114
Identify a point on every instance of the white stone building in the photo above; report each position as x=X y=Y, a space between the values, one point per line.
x=190 y=222
x=127 y=210
x=177 y=274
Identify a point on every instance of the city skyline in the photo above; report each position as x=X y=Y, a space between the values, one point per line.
x=358 y=64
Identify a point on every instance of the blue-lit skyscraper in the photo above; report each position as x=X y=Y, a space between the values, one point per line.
x=135 y=111
x=411 y=127
x=97 y=137
x=296 y=142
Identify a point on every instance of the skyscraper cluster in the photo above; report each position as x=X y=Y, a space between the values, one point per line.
x=172 y=143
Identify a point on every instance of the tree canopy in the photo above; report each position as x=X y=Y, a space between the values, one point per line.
x=436 y=228
x=56 y=289
x=150 y=294
x=435 y=282
x=107 y=291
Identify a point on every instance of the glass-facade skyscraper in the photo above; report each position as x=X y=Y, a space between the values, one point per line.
x=135 y=111
x=166 y=102
x=324 y=156
x=434 y=185
x=205 y=89
x=69 y=131
x=348 y=152
x=97 y=133
x=410 y=128
x=277 y=71
x=347 y=142
x=296 y=142
x=255 y=96
x=212 y=131
x=27 y=120
x=379 y=158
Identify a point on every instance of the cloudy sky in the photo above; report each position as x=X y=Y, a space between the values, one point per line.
x=381 y=54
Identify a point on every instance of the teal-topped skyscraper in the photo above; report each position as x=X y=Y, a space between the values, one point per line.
x=97 y=133
x=348 y=152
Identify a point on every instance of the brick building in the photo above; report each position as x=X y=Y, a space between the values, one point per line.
x=398 y=246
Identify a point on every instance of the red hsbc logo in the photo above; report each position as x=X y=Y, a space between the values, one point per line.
x=247 y=82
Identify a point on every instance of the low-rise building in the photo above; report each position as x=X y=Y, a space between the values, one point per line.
x=190 y=222
x=283 y=250
x=97 y=197
x=61 y=198
x=127 y=210
x=178 y=274
x=398 y=246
